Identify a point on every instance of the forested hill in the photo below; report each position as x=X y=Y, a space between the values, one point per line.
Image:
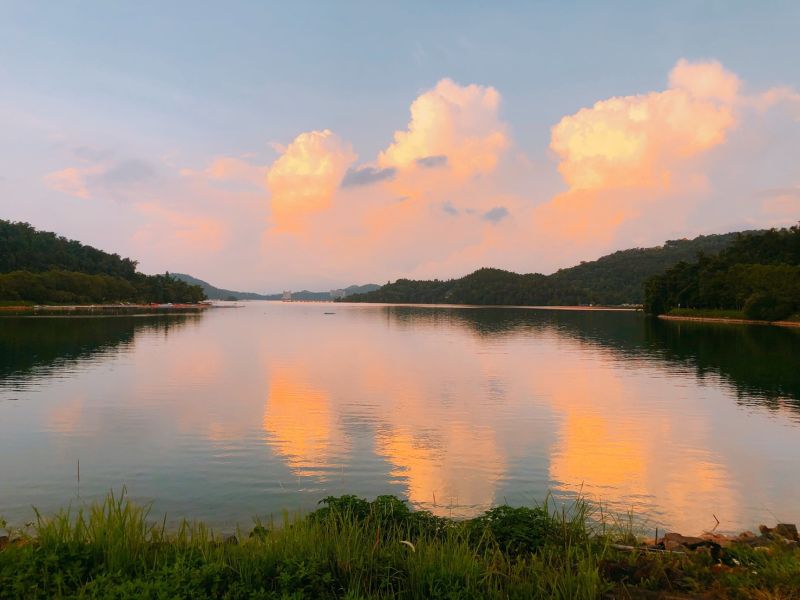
x=23 y=248
x=758 y=274
x=43 y=267
x=614 y=279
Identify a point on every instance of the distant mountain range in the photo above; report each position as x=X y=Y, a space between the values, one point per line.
x=215 y=293
x=614 y=279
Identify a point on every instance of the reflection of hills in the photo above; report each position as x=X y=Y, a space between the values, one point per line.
x=761 y=362
x=36 y=346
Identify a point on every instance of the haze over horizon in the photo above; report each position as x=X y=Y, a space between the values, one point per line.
x=314 y=146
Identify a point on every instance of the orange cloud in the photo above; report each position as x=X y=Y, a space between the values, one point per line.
x=303 y=179
x=636 y=140
x=229 y=168
x=71 y=181
x=454 y=126
x=627 y=154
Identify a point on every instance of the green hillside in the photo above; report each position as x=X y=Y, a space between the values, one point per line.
x=757 y=275
x=614 y=279
x=43 y=267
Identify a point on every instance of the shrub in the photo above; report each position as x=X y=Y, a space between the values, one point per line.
x=765 y=307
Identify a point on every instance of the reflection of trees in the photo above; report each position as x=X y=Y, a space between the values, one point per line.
x=761 y=362
x=31 y=347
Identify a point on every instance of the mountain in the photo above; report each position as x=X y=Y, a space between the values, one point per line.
x=215 y=293
x=614 y=279
x=43 y=267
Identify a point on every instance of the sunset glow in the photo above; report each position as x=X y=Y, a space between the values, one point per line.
x=430 y=167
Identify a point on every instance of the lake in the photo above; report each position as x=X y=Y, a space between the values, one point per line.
x=250 y=411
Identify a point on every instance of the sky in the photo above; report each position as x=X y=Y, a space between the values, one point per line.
x=268 y=146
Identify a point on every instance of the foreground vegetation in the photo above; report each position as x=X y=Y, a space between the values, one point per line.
x=351 y=548
x=44 y=268
x=614 y=279
x=758 y=276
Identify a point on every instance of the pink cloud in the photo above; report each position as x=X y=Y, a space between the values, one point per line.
x=71 y=181
x=178 y=231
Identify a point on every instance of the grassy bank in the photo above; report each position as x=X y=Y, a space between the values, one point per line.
x=351 y=548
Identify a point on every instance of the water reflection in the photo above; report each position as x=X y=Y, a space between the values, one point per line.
x=300 y=423
x=274 y=406
x=33 y=347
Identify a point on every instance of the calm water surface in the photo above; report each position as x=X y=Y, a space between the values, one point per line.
x=248 y=411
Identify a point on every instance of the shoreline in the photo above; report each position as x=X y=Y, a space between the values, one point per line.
x=729 y=321
x=101 y=309
x=525 y=306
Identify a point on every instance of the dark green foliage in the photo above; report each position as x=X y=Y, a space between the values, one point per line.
x=611 y=280
x=387 y=514
x=41 y=267
x=23 y=248
x=352 y=548
x=759 y=274
x=767 y=307
x=517 y=530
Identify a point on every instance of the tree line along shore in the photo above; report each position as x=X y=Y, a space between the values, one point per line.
x=39 y=267
x=351 y=548
x=751 y=276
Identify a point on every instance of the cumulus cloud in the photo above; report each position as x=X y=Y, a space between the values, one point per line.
x=636 y=140
x=366 y=175
x=626 y=157
x=303 y=179
x=458 y=122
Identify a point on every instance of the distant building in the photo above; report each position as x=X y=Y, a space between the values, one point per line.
x=338 y=294
x=287 y=296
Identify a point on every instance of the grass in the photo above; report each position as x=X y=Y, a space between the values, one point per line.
x=353 y=549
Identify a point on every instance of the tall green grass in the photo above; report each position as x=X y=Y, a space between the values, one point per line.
x=349 y=548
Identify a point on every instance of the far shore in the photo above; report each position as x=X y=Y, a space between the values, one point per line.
x=527 y=306
x=101 y=309
x=729 y=320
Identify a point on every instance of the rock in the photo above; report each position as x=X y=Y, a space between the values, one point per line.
x=676 y=541
x=717 y=538
x=745 y=536
x=3 y=541
x=787 y=530
x=782 y=531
